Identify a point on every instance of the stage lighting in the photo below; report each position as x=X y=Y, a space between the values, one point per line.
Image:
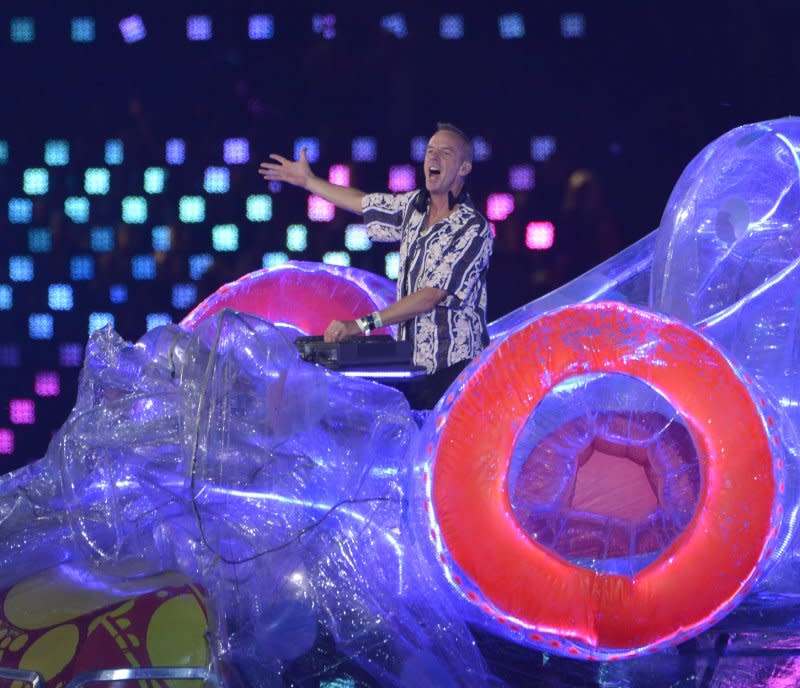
x=70 y=355
x=261 y=27
x=419 y=144
x=539 y=236
x=296 y=238
x=82 y=29
x=35 y=181
x=511 y=25
x=521 y=177
x=20 y=210
x=40 y=326
x=161 y=238
x=154 y=178
x=311 y=144
x=499 y=206
x=356 y=238
x=56 y=153
x=153 y=320
x=6 y=441
x=3 y=152
x=76 y=208
x=22 y=411
x=47 y=384
x=324 y=25
x=273 y=259
x=132 y=29
x=20 y=268
x=542 y=148
x=259 y=208
x=236 y=151
x=184 y=295
x=40 y=240
x=192 y=209
x=6 y=297
x=217 y=180
x=481 y=150
x=97 y=180
x=115 y=152
x=225 y=238
x=451 y=26
x=81 y=268
x=395 y=24
x=9 y=356
x=175 y=152
x=402 y=178
x=392 y=264
x=118 y=294
x=101 y=239
x=573 y=25
x=99 y=320
x=199 y=264
x=320 y=210
x=339 y=174
x=59 y=297
x=198 y=27
x=341 y=258
x=364 y=149
x=134 y=210
x=23 y=30
x=143 y=267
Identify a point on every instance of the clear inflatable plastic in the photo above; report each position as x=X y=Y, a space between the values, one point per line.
x=614 y=477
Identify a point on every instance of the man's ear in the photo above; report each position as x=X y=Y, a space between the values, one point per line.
x=465 y=168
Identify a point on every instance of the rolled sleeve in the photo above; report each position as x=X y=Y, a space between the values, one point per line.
x=384 y=213
x=461 y=271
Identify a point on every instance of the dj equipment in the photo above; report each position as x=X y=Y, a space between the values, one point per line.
x=355 y=352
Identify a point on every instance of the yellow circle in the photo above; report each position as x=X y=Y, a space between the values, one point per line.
x=52 y=652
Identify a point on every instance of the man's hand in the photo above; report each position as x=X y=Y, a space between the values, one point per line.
x=340 y=329
x=296 y=172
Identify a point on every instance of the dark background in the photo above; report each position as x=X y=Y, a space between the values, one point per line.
x=629 y=104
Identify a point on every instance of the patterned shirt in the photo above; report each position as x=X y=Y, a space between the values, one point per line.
x=452 y=255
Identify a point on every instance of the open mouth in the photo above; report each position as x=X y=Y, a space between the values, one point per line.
x=432 y=171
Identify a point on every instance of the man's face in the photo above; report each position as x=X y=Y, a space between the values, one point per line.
x=445 y=162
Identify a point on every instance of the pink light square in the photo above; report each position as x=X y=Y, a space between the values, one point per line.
x=320 y=210
x=6 y=441
x=47 y=384
x=339 y=174
x=499 y=206
x=539 y=236
x=22 y=411
x=402 y=178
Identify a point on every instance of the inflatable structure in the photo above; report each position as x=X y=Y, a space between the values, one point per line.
x=607 y=496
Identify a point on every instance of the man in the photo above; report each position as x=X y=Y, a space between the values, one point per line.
x=445 y=244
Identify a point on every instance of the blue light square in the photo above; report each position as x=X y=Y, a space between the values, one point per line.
x=175 y=152
x=192 y=209
x=311 y=144
x=20 y=210
x=40 y=240
x=511 y=26
x=96 y=180
x=259 y=208
x=60 y=297
x=364 y=149
x=40 y=326
x=161 y=238
x=451 y=26
x=102 y=239
x=82 y=29
x=154 y=179
x=81 y=268
x=143 y=267
x=199 y=265
x=115 y=152
x=261 y=27
x=20 y=268
x=6 y=297
x=154 y=320
x=118 y=293
x=35 y=181
x=76 y=208
x=56 y=153
x=225 y=238
x=217 y=180
x=184 y=295
x=22 y=30
x=100 y=320
x=134 y=210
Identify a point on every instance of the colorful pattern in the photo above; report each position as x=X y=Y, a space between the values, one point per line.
x=452 y=255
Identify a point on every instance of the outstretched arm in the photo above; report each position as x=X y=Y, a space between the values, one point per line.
x=298 y=173
x=406 y=308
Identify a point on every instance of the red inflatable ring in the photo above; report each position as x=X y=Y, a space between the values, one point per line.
x=543 y=598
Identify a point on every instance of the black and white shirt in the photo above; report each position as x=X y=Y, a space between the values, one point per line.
x=452 y=255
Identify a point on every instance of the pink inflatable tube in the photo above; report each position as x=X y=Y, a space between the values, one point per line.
x=520 y=588
x=306 y=296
